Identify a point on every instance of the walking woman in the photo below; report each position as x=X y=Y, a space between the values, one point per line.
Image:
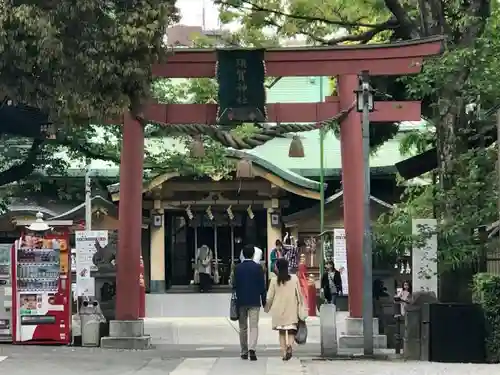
x=286 y=305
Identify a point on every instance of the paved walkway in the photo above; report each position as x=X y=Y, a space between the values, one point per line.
x=211 y=335
x=68 y=361
x=220 y=332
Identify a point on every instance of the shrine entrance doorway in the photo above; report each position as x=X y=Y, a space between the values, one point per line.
x=225 y=240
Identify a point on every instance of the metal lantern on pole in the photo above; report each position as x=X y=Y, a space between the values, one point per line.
x=364 y=94
x=39 y=225
x=364 y=101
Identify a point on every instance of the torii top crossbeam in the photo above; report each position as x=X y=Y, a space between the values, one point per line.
x=399 y=58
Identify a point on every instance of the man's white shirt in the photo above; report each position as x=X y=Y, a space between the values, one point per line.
x=257 y=255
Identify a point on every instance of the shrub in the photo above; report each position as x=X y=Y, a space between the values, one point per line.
x=486 y=292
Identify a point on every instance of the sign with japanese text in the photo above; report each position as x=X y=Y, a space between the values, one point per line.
x=87 y=244
x=340 y=257
x=242 y=93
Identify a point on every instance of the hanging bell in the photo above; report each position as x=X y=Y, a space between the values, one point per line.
x=197 y=150
x=244 y=169
x=296 y=148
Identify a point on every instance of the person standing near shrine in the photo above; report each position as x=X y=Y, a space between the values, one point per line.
x=331 y=283
x=276 y=253
x=291 y=254
x=204 y=257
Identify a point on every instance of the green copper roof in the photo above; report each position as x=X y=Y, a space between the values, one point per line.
x=276 y=151
x=285 y=174
x=310 y=90
x=299 y=90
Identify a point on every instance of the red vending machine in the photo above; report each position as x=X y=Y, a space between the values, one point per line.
x=41 y=295
x=5 y=293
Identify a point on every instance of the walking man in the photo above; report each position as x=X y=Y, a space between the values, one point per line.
x=250 y=289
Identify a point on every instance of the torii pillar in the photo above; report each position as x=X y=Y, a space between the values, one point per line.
x=351 y=148
x=351 y=136
x=127 y=331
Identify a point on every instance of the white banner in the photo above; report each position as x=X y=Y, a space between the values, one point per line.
x=340 y=257
x=86 y=246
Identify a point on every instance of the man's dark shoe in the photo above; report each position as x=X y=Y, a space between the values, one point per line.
x=244 y=356
x=253 y=356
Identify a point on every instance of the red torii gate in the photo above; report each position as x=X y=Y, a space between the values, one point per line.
x=345 y=62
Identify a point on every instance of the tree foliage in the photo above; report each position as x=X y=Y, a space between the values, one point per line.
x=462 y=194
x=80 y=63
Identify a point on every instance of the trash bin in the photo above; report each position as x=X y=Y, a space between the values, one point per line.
x=91 y=318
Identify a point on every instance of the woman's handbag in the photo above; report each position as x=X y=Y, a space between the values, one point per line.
x=301 y=335
x=233 y=308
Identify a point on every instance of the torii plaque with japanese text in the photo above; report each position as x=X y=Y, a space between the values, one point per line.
x=242 y=94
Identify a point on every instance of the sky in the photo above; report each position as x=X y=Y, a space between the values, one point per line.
x=192 y=13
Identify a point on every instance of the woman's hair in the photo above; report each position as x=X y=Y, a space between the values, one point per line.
x=330 y=263
x=409 y=285
x=282 y=267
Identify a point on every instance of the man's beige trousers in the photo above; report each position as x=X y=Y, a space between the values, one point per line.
x=249 y=320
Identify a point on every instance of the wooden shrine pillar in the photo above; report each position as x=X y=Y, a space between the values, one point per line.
x=351 y=137
x=130 y=221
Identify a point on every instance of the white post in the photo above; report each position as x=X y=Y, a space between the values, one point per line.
x=88 y=197
x=328 y=330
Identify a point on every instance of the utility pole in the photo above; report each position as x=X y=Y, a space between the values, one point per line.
x=322 y=186
x=88 y=196
x=366 y=97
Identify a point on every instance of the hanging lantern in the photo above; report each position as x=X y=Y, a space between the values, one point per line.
x=296 y=148
x=244 y=169
x=197 y=149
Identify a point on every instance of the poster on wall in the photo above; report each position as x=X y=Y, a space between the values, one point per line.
x=85 y=246
x=340 y=257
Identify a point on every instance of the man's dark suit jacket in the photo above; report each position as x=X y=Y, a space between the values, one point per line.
x=249 y=284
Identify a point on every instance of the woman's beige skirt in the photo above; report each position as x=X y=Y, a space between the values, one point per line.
x=288 y=327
